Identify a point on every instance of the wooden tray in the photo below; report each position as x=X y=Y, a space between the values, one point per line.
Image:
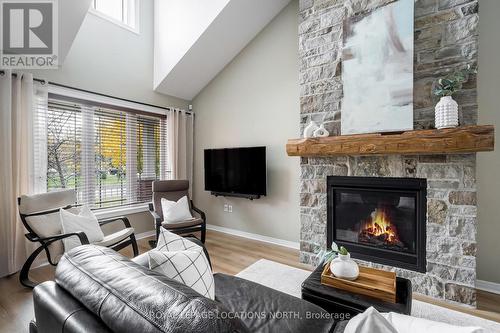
x=370 y=282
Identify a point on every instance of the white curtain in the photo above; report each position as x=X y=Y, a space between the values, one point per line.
x=40 y=116
x=18 y=97
x=180 y=144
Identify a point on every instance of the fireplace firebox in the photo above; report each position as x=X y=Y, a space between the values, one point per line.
x=382 y=220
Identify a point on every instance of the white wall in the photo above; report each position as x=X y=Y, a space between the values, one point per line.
x=178 y=24
x=71 y=16
x=488 y=168
x=255 y=101
x=109 y=59
x=196 y=39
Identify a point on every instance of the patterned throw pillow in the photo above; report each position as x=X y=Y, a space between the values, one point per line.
x=189 y=267
x=184 y=261
x=168 y=241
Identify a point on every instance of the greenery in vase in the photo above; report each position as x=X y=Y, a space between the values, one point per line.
x=450 y=84
x=325 y=256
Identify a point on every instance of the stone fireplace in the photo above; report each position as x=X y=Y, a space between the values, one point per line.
x=380 y=220
x=445 y=39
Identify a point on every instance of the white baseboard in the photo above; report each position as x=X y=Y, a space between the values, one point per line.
x=244 y=234
x=488 y=286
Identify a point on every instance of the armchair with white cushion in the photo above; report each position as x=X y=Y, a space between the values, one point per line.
x=42 y=216
x=183 y=217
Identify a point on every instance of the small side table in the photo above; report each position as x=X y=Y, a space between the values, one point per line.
x=340 y=301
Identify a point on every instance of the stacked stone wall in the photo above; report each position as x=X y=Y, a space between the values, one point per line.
x=446 y=38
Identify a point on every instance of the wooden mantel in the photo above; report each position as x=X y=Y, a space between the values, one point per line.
x=465 y=139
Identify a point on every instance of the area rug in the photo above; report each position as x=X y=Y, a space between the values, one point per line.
x=288 y=280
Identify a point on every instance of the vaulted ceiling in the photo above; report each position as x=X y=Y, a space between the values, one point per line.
x=71 y=16
x=196 y=39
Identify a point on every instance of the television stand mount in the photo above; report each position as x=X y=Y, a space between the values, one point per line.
x=236 y=195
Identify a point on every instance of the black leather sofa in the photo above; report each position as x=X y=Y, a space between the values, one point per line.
x=98 y=290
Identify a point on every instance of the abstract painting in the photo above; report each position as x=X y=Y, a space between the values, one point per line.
x=377 y=70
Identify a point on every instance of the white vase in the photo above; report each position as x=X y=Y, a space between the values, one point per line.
x=446 y=113
x=321 y=132
x=310 y=129
x=343 y=267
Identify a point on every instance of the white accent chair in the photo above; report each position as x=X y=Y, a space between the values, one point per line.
x=40 y=216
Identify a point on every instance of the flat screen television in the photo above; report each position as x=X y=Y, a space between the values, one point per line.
x=236 y=171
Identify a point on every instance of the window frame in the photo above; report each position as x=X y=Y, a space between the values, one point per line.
x=87 y=96
x=133 y=16
x=110 y=212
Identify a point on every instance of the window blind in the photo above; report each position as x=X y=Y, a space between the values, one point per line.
x=109 y=156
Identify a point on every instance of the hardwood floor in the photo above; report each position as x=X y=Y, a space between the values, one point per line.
x=229 y=254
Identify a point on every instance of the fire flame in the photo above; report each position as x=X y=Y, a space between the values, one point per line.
x=379 y=225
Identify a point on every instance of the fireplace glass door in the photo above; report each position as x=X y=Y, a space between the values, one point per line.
x=382 y=219
x=379 y=219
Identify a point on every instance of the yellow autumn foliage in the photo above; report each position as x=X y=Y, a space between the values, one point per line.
x=113 y=143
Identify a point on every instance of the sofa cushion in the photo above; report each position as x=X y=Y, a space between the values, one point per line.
x=264 y=309
x=57 y=311
x=407 y=324
x=116 y=237
x=131 y=298
x=188 y=223
x=370 y=321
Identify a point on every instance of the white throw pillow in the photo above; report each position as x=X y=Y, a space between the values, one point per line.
x=175 y=212
x=84 y=221
x=189 y=267
x=407 y=324
x=180 y=259
x=168 y=241
x=370 y=321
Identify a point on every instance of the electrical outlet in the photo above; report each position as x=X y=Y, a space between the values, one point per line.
x=226 y=208
x=230 y=208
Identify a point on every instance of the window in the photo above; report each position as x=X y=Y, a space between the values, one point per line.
x=109 y=156
x=122 y=12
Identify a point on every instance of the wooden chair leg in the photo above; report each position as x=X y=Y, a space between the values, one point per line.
x=152 y=243
x=158 y=226
x=25 y=271
x=203 y=232
x=134 y=245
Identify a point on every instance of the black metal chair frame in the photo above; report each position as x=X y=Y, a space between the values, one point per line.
x=202 y=227
x=46 y=241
